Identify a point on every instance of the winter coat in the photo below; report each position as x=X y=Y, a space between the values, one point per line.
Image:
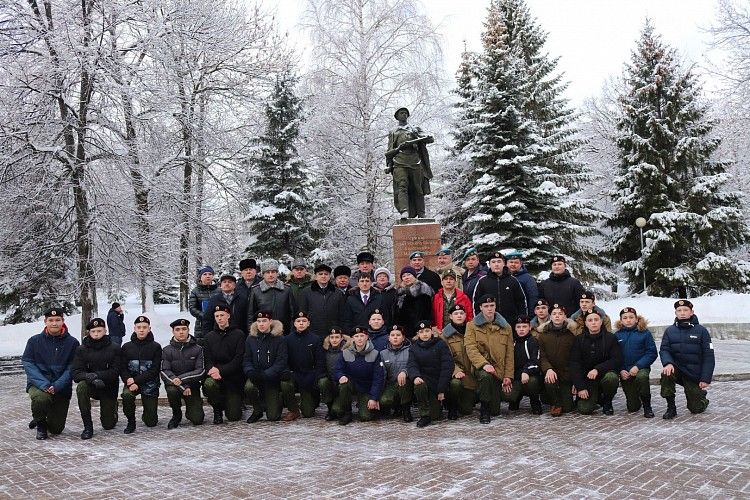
x=141 y=360
x=277 y=298
x=454 y=336
x=116 y=324
x=334 y=354
x=525 y=356
x=198 y=305
x=325 y=307
x=431 y=278
x=98 y=359
x=580 y=321
x=687 y=346
x=379 y=338
x=528 y=283
x=224 y=350
x=636 y=344
x=413 y=304
x=589 y=352
x=306 y=358
x=388 y=304
x=185 y=361
x=511 y=301
x=266 y=354
x=490 y=343
x=47 y=361
x=471 y=280
x=298 y=286
x=562 y=289
x=238 y=305
x=357 y=313
x=364 y=369
x=438 y=307
x=245 y=288
x=554 y=350
x=431 y=361
x=395 y=360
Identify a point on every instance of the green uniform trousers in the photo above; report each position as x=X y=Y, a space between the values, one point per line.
x=49 y=408
x=328 y=390
x=635 y=388
x=221 y=398
x=85 y=391
x=603 y=388
x=266 y=396
x=463 y=398
x=427 y=402
x=490 y=390
x=193 y=404
x=150 y=416
x=395 y=395
x=532 y=388
x=696 y=397
x=308 y=399
x=344 y=401
x=558 y=394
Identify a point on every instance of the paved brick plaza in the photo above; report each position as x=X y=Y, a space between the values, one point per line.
x=704 y=456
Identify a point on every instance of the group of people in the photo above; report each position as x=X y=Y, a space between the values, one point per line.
x=442 y=340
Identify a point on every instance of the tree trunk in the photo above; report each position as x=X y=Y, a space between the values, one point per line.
x=187 y=174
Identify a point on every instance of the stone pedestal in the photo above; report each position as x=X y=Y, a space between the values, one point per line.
x=410 y=235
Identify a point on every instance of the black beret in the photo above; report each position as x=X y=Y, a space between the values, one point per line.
x=542 y=302
x=497 y=255
x=248 y=264
x=588 y=295
x=360 y=329
x=96 y=323
x=683 y=302
x=558 y=258
x=365 y=257
x=336 y=329
x=487 y=299
x=179 y=322
x=53 y=312
x=425 y=323
x=141 y=319
x=398 y=328
x=558 y=306
x=222 y=307
x=301 y=314
x=322 y=267
x=523 y=319
x=628 y=310
x=376 y=311
x=456 y=307
x=593 y=311
x=264 y=314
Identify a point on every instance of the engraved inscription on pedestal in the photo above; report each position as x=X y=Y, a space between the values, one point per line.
x=410 y=235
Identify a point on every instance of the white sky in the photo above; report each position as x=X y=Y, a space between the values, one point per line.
x=592 y=37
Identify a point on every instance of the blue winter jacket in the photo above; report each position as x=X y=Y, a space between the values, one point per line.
x=379 y=338
x=637 y=345
x=364 y=369
x=687 y=346
x=528 y=283
x=48 y=361
x=306 y=358
x=116 y=324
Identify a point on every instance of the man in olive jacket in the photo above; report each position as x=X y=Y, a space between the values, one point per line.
x=555 y=341
x=489 y=345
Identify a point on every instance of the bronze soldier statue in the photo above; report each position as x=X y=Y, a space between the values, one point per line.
x=408 y=160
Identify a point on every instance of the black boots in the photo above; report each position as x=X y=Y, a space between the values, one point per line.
x=130 y=428
x=32 y=424
x=607 y=406
x=648 y=412
x=536 y=405
x=484 y=413
x=514 y=405
x=424 y=421
x=174 y=422
x=671 y=409
x=256 y=415
x=406 y=413
x=452 y=411
x=41 y=430
x=88 y=426
x=346 y=417
x=218 y=416
x=330 y=414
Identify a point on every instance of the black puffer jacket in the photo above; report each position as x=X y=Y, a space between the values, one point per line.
x=526 y=356
x=98 y=359
x=198 y=305
x=325 y=307
x=183 y=360
x=431 y=360
x=265 y=359
x=562 y=289
x=600 y=352
x=511 y=299
x=141 y=359
x=224 y=350
x=687 y=345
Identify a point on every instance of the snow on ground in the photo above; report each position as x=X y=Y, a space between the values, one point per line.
x=725 y=308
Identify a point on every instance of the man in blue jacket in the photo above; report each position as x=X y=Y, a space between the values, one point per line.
x=687 y=355
x=514 y=261
x=306 y=361
x=638 y=353
x=47 y=361
x=116 y=324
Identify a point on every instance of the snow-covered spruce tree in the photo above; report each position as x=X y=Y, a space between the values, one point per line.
x=281 y=216
x=518 y=134
x=669 y=177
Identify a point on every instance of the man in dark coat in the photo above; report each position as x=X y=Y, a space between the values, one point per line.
x=687 y=355
x=322 y=303
x=198 y=301
x=527 y=380
x=264 y=364
x=361 y=302
x=273 y=295
x=341 y=276
x=249 y=276
x=116 y=324
x=307 y=363
x=182 y=369
x=595 y=360
x=96 y=368
x=508 y=293
x=140 y=364
x=223 y=352
x=47 y=361
x=430 y=368
x=425 y=275
x=555 y=342
x=235 y=298
x=514 y=261
x=561 y=288
x=384 y=284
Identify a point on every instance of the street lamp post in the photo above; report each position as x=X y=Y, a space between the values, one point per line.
x=641 y=223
